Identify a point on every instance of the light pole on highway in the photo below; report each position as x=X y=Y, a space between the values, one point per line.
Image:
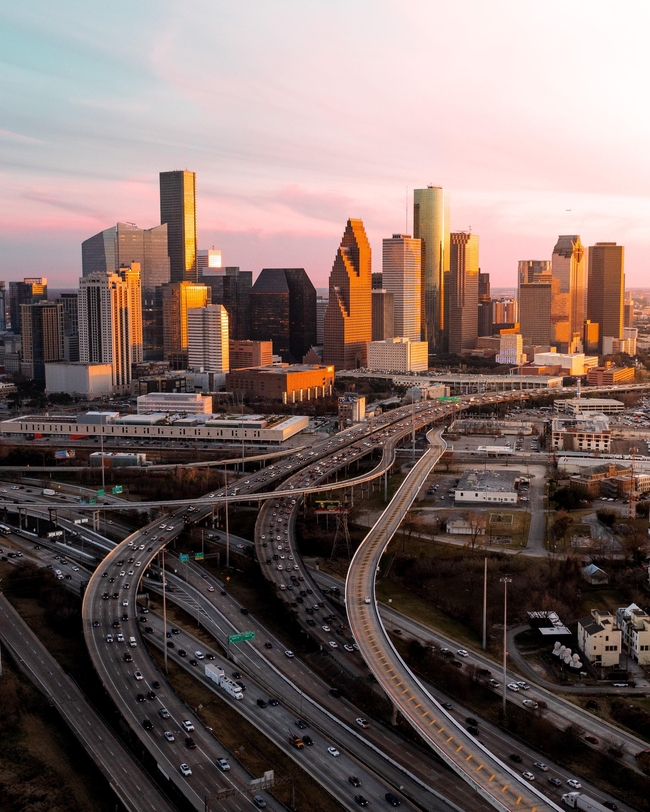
x=164 y=590
x=225 y=470
x=505 y=581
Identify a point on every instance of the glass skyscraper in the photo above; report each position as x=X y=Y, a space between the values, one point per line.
x=178 y=211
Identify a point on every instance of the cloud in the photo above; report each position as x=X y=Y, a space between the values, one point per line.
x=8 y=135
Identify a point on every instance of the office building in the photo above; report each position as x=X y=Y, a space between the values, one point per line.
x=606 y=288
x=348 y=319
x=70 y=304
x=581 y=433
x=169 y=402
x=628 y=311
x=283 y=310
x=125 y=244
x=131 y=277
x=42 y=337
x=609 y=375
x=484 y=305
x=245 y=354
x=402 y=276
x=89 y=381
x=462 y=320
x=535 y=301
x=569 y=269
x=530 y=271
x=29 y=291
x=511 y=349
x=383 y=315
x=208 y=342
x=3 y=307
x=635 y=632
x=504 y=311
x=178 y=211
x=377 y=280
x=431 y=226
x=208 y=262
x=626 y=344
x=321 y=307
x=231 y=287
x=398 y=355
x=591 y=336
x=104 y=326
x=177 y=299
x=290 y=383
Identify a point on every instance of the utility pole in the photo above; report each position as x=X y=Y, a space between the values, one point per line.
x=485 y=572
x=505 y=581
x=227 y=531
x=164 y=582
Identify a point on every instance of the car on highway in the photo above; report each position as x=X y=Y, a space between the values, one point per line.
x=302 y=725
x=222 y=764
x=332 y=644
x=530 y=703
x=169 y=736
x=462 y=652
x=392 y=799
x=147 y=724
x=141 y=698
x=333 y=752
x=259 y=802
x=528 y=775
x=308 y=741
x=512 y=686
x=523 y=685
x=362 y=722
x=352 y=779
x=515 y=757
x=187 y=725
x=163 y=713
x=361 y=800
x=287 y=653
x=574 y=783
x=109 y=638
x=555 y=781
x=592 y=739
x=138 y=675
x=540 y=766
x=185 y=770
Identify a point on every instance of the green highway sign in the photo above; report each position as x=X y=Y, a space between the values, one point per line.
x=199 y=556
x=92 y=501
x=116 y=489
x=100 y=492
x=239 y=638
x=448 y=400
x=184 y=557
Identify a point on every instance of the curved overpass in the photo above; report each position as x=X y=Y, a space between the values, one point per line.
x=493 y=780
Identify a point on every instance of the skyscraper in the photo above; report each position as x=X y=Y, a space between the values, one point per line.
x=484 y=305
x=383 y=315
x=178 y=210
x=208 y=262
x=533 y=270
x=321 y=308
x=348 y=318
x=131 y=276
x=177 y=299
x=283 y=310
x=70 y=304
x=568 y=267
x=628 y=311
x=606 y=289
x=431 y=226
x=535 y=312
x=104 y=327
x=42 y=337
x=207 y=339
x=402 y=276
x=462 y=323
x=232 y=288
x=29 y=291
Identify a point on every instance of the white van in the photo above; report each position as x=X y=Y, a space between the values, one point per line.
x=132 y=641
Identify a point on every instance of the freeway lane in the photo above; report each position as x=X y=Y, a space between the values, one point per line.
x=492 y=779
x=125 y=775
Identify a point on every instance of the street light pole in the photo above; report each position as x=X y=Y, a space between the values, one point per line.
x=227 y=531
x=505 y=581
x=164 y=586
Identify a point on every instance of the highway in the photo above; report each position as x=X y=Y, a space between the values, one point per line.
x=122 y=771
x=492 y=779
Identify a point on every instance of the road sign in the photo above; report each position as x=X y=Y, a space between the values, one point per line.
x=199 y=556
x=92 y=501
x=100 y=492
x=239 y=638
x=184 y=557
x=116 y=489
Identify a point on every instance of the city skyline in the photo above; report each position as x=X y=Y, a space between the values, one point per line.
x=88 y=131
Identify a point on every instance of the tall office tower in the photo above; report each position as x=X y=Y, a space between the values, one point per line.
x=431 y=225
x=628 y=311
x=606 y=288
x=283 y=310
x=533 y=270
x=131 y=276
x=208 y=262
x=232 y=288
x=124 y=244
x=3 y=307
x=462 y=324
x=208 y=343
x=568 y=267
x=377 y=280
x=504 y=311
x=348 y=319
x=104 y=330
x=402 y=276
x=591 y=336
x=321 y=307
x=383 y=315
x=484 y=305
x=177 y=299
x=70 y=304
x=29 y=291
x=178 y=210
x=42 y=337
x=535 y=313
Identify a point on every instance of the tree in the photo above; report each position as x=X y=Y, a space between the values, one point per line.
x=476 y=523
x=561 y=525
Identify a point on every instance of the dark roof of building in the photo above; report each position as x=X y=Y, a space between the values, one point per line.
x=271 y=280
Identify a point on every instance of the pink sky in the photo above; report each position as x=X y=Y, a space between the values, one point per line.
x=296 y=116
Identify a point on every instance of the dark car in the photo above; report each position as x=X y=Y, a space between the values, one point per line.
x=610 y=805
x=151 y=694
x=273 y=703
x=308 y=740
x=361 y=800
x=335 y=692
x=268 y=645
x=236 y=675
x=128 y=658
x=261 y=703
x=243 y=610
x=473 y=730
x=182 y=652
x=393 y=800
x=170 y=644
x=141 y=697
x=515 y=757
x=300 y=724
x=555 y=781
x=354 y=781
x=147 y=725
x=190 y=743
x=155 y=684
x=194 y=662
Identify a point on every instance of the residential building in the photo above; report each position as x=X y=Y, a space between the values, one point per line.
x=588 y=406
x=635 y=629
x=582 y=433
x=42 y=337
x=29 y=291
x=75 y=378
x=168 y=402
x=131 y=276
x=462 y=319
x=283 y=310
x=487 y=486
x=599 y=638
x=606 y=288
x=535 y=312
x=177 y=299
x=511 y=349
x=569 y=268
x=244 y=354
x=208 y=342
x=484 y=305
x=402 y=276
x=290 y=383
x=383 y=314
x=608 y=375
x=178 y=211
x=104 y=326
x=348 y=319
x=398 y=355
x=431 y=226
x=231 y=287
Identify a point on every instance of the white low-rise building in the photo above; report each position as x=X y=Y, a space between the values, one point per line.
x=398 y=355
x=599 y=638
x=488 y=487
x=189 y=402
x=589 y=406
x=635 y=628
x=574 y=363
x=74 y=378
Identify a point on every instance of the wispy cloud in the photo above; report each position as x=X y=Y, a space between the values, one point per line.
x=8 y=135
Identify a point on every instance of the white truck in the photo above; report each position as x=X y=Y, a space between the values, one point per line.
x=578 y=800
x=49 y=492
x=218 y=675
